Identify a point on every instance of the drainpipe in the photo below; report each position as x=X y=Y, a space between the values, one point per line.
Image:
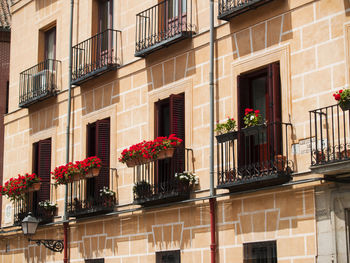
x=65 y=218
x=211 y=87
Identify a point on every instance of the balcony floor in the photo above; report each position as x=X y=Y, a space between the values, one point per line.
x=339 y=168
x=162 y=198
x=94 y=74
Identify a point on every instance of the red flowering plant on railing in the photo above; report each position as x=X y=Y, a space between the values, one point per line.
x=343 y=98
x=16 y=187
x=252 y=118
x=64 y=174
x=149 y=150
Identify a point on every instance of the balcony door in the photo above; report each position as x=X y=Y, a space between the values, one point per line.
x=170 y=119
x=104 y=39
x=260 y=90
x=173 y=16
x=98 y=144
x=50 y=44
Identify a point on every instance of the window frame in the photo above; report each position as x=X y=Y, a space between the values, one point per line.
x=160 y=254
x=249 y=247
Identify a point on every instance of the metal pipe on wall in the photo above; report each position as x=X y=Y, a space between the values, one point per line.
x=211 y=155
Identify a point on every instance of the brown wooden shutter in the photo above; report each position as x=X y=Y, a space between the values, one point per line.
x=242 y=103
x=103 y=152
x=177 y=127
x=44 y=169
x=275 y=107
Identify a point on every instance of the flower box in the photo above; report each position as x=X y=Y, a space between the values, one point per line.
x=167 y=153
x=345 y=105
x=34 y=187
x=93 y=172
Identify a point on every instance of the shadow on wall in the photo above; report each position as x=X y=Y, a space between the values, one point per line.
x=39 y=4
x=177 y=63
x=43 y=115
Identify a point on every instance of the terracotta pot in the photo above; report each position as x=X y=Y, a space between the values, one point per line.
x=130 y=163
x=34 y=187
x=320 y=157
x=280 y=162
x=77 y=177
x=93 y=172
x=167 y=153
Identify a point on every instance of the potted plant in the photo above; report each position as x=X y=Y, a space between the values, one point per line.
x=226 y=130
x=108 y=196
x=252 y=118
x=33 y=182
x=49 y=207
x=91 y=166
x=280 y=162
x=343 y=99
x=186 y=179
x=142 y=190
x=167 y=147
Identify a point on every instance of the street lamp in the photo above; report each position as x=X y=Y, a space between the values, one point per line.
x=29 y=226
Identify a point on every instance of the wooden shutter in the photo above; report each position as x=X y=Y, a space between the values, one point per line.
x=103 y=152
x=242 y=103
x=44 y=169
x=91 y=151
x=275 y=107
x=177 y=127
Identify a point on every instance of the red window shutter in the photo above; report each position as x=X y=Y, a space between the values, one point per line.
x=177 y=127
x=103 y=152
x=44 y=169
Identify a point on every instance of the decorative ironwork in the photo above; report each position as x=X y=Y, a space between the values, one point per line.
x=258 y=154
x=163 y=24
x=84 y=197
x=155 y=181
x=232 y=8
x=39 y=82
x=96 y=55
x=330 y=135
x=53 y=245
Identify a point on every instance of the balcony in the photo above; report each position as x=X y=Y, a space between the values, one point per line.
x=231 y=8
x=23 y=207
x=155 y=182
x=95 y=56
x=330 y=141
x=254 y=157
x=85 y=199
x=39 y=82
x=162 y=25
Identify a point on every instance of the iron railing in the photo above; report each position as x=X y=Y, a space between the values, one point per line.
x=23 y=207
x=163 y=24
x=95 y=56
x=330 y=135
x=39 y=82
x=231 y=8
x=85 y=198
x=155 y=181
x=254 y=156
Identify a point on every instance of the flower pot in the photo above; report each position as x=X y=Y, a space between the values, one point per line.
x=345 y=105
x=167 y=153
x=130 y=163
x=93 y=172
x=77 y=177
x=320 y=157
x=34 y=187
x=280 y=162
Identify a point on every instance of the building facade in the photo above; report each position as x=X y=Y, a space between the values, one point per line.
x=140 y=70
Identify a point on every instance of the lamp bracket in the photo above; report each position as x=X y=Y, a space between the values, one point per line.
x=54 y=245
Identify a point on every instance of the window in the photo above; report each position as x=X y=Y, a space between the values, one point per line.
x=105 y=15
x=98 y=144
x=260 y=90
x=50 y=44
x=168 y=256
x=170 y=119
x=42 y=167
x=97 y=260
x=260 y=252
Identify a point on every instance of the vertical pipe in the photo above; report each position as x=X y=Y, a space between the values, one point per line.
x=65 y=225
x=211 y=87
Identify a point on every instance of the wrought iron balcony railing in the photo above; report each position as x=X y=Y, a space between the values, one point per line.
x=254 y=157
x=85 y=198
x=23 y=207
x=163 y=24
x=330 y=140
x=155 y=181
x=232 y=8
x=95 y=56
x=39 y=82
